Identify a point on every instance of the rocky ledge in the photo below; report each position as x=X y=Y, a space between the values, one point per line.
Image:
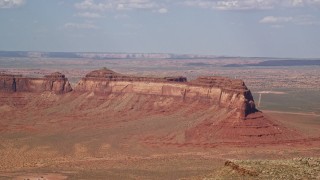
x=107 y=74
x=55 y=82
x=220 y=91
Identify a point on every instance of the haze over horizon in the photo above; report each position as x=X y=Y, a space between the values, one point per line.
x=260 y=28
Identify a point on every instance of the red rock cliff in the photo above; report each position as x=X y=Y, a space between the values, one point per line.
x=219 y=91
x=55 y=82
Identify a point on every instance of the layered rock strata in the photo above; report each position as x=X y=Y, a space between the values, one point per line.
x=55 y=82
x=256 y=129
x=221 y=91
x=207 y=111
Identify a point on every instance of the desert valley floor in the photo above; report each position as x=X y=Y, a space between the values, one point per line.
x=93 y=138
x=85 y=135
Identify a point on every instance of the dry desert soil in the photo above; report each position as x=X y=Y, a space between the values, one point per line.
x=89 y=136
x=86 y=136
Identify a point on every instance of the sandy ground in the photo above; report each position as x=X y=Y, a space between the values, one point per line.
x=96 y=138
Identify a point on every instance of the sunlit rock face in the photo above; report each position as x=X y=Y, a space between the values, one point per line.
x=219 y=91
x=55 y=82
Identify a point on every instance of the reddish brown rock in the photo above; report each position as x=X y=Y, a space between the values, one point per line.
x=218 y=91
x=55 y=82
x=103 y=73
x=256 y=129
x=208 y=111
x=221 y=82
x=107 y=74
x=7 y=82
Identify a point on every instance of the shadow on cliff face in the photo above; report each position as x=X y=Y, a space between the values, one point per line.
x=55 y=82
x=118 y=127
x=206 y=112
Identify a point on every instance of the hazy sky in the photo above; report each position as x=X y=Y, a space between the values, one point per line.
x=282 y=28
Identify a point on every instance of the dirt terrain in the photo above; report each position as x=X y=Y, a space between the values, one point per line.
x=101 y=139
x=89 y=135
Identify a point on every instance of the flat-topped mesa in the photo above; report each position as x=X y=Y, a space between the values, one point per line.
x=229 y=86
x=56 y=76
x=218 y=91
x=55 y=82
x=107 y=81
x=107 y=74
x=221 y=82
x=102 y=73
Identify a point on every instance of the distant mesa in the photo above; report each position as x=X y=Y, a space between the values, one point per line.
x=221 y=91
x=55 y=82
x=218 y=91
x=279 y=63
x=106 y=73
x=198 y=64
x=102 y=73
x=231 y=114
x=55 y=75
x=101 y=55
x=221 y=82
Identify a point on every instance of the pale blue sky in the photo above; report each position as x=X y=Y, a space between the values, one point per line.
x=277 y=28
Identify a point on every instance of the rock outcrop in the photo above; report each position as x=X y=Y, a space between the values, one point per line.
x=233 y=93
x=107 y=74
x=220 y=91
x=55 y=82
x=256 y=129
x=206 y=112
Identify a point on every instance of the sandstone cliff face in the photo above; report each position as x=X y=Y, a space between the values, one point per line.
x=55 y=82
x=219 y=91
x=205 y=112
